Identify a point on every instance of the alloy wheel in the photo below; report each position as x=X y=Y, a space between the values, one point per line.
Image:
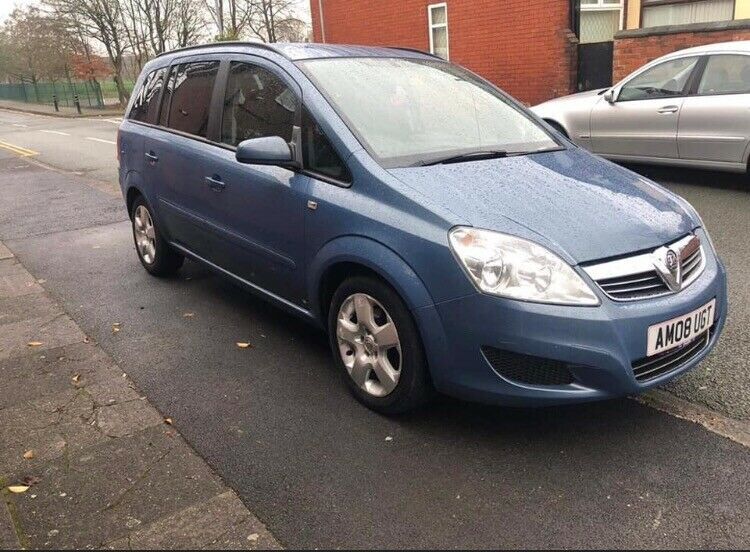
x=145 y=236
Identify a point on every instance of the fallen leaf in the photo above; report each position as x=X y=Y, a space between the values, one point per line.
x=29 y=455
x=168 y=421
x=115 y=327
x=76 y=378
x=243 y=345
x=34 y=343
x=188 y=315
x=18 y=488
x=30 y=480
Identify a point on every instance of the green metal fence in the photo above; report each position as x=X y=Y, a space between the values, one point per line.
x=90 y=94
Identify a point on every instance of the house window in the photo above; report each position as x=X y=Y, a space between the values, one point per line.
x=600 y=20
x=680 y=12
x=437 y=22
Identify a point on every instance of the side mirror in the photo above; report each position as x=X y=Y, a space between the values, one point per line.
x=269 y=150
x=609 y=95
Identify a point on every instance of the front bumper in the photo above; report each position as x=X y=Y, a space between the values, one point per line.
x=600 y=342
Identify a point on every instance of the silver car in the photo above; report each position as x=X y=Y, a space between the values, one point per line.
x=688 y=108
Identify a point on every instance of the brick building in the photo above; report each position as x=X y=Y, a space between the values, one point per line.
x=535 y=49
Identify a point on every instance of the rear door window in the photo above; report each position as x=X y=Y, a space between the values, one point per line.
x=190 y=86
x=146 y=103
x=726 y=74
x=257 y=104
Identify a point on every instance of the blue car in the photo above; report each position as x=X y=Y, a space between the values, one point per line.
x=445 y=237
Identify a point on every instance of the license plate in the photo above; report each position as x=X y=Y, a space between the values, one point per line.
x=678 y=331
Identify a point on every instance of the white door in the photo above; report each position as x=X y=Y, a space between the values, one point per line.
x=715 y=122
x=642 y=121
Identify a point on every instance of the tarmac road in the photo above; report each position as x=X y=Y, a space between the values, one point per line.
x=320 y=470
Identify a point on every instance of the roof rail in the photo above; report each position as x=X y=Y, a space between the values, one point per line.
x=415 y=50
x=262 y=45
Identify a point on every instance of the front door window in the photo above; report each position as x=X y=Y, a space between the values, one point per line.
x=665 y=80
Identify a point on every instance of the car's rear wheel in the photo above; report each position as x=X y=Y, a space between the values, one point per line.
x=377 y=347
x=155 y=254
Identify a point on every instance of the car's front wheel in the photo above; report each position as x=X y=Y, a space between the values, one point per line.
x=377 y=346
x=155 y=254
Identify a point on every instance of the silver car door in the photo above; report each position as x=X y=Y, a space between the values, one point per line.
x=715 y=121
x=641 y=121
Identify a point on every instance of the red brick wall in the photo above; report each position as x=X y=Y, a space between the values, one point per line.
x=633 y=52
x=523 y=46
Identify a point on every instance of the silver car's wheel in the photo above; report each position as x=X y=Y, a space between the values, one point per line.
x=369 y=344
x=145 y=237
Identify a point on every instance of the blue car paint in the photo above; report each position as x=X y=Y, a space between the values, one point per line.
x=396 y=222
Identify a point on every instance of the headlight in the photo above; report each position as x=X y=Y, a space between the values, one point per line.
x=511 y=267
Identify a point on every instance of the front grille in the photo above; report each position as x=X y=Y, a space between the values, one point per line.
x=651 y=367
x=636 y=277
x=528 y=369
x=634 y=286
x=691 y=264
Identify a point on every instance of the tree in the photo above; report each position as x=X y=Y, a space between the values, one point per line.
x=34 y=47
x=268 y=20
x=190 y=23
x=103 y=22
x=230 y=17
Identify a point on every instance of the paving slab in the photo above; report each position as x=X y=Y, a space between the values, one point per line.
x=38 y=334
x=15 y=281
x=102 y=465
x=23 y=307
x=102 y=493
x=222 y=523
x=8 y=538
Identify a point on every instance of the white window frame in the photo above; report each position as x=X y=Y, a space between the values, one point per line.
x=601 y=6
x=432 y=26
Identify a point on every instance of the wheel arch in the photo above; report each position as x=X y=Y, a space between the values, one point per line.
x=133 y=186
x=130 y=196
x=355 y=255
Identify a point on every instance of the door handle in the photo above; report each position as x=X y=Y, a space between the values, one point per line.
x=668 y=109
x=152 y=157
x=215 y=183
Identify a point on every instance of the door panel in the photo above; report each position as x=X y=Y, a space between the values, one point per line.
x=176 y=159
x=715 y=123
x=715 y=128
x=643 y=120
x=183 y=196
x=258 y=210
x=644 y=128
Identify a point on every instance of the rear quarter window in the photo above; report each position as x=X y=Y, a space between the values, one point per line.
x=146 y=103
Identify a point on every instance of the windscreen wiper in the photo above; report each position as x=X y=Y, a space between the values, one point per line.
x=473 y=156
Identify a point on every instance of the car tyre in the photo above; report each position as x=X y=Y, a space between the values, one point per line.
x=373 y=337
x=155 y=254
